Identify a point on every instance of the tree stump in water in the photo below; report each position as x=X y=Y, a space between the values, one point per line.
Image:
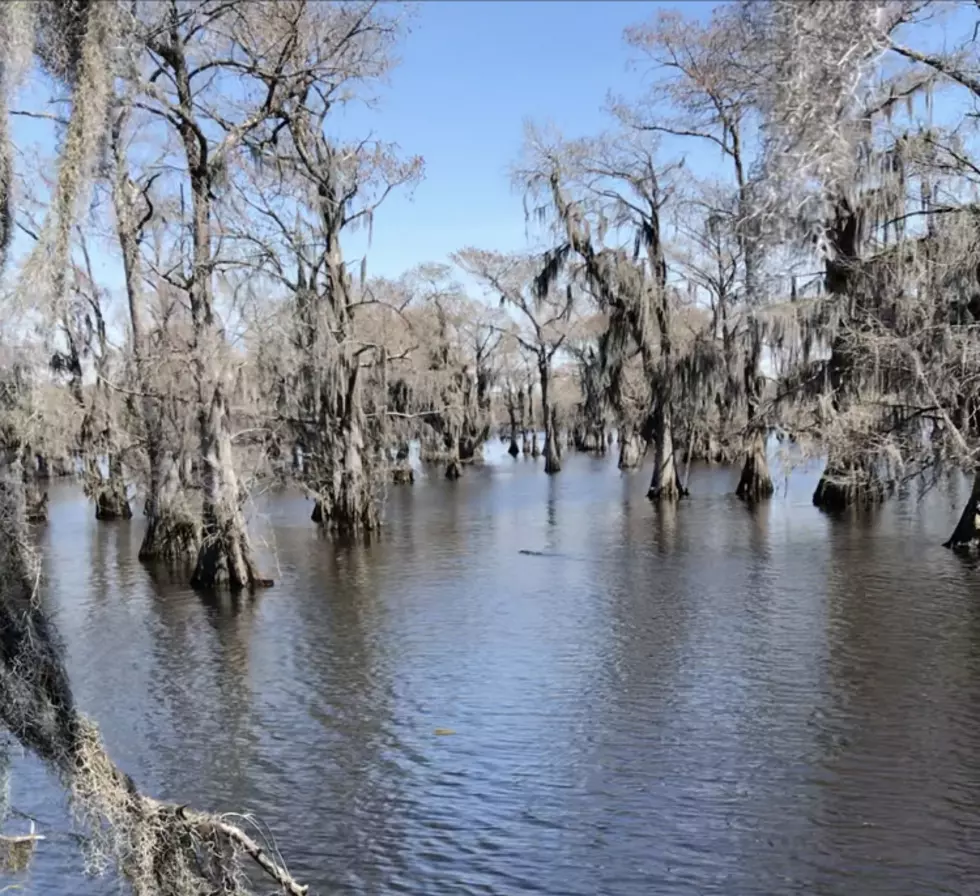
x=317 y=515
x=454 y=470
x=403 y=475
x=755 y=483
x=112 y=504
x=631 y=451
x=840 y=488
x=170 y=535
x=37 y=508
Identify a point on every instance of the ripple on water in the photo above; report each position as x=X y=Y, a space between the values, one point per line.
x=699 y=700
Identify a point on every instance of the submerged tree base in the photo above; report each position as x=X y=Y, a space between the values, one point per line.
x=37 y=506
x=590 y=441
x=171 y=536
x=967 y=532
x=112 y=504
x=403 y=475
x=706 y=448
x=632 y=449
x=348 y=519
x=755 y=483
x=669 y=492
x=552 y=462
x=224 y=562
x=839 y=489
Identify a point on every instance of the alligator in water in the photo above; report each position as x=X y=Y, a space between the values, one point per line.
x=559 y=554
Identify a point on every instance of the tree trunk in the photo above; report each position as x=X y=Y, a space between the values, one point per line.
x=535 y=450
x=349 y=507
x=552 y=457
x=403 y=475
x=172 y=532
x=512 y=450
x=665 y=484
x=402 y=472
x=968 y=528
x=845 y=484
x=755 y=483
x=632 y=448
x=589 y=439
x=225 y=557
x=112 y=502
x=35 y=500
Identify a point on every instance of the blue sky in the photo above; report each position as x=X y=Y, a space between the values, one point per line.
x=471 y=73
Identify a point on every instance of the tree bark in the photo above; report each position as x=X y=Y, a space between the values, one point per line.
x=632 y=448
x=967 y=529
x=348 y=507
x=665 y=484
x=843 y=485
x=225 y=556
x=35 y=500
x=755 y=483
x=512 y=449
x=172 y=531
x=552 y=459
x=112 y=501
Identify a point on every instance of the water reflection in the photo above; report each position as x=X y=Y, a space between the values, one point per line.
x=708 y=698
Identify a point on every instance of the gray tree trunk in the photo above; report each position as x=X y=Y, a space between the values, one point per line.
x=665 y=484
x=632 y=448
x=225 y=555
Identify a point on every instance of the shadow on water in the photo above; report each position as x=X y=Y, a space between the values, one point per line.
x=703 y=698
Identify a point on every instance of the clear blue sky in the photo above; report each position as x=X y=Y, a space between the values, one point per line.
x=471 y=73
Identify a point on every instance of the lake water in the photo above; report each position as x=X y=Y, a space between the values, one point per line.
x=705 y=699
